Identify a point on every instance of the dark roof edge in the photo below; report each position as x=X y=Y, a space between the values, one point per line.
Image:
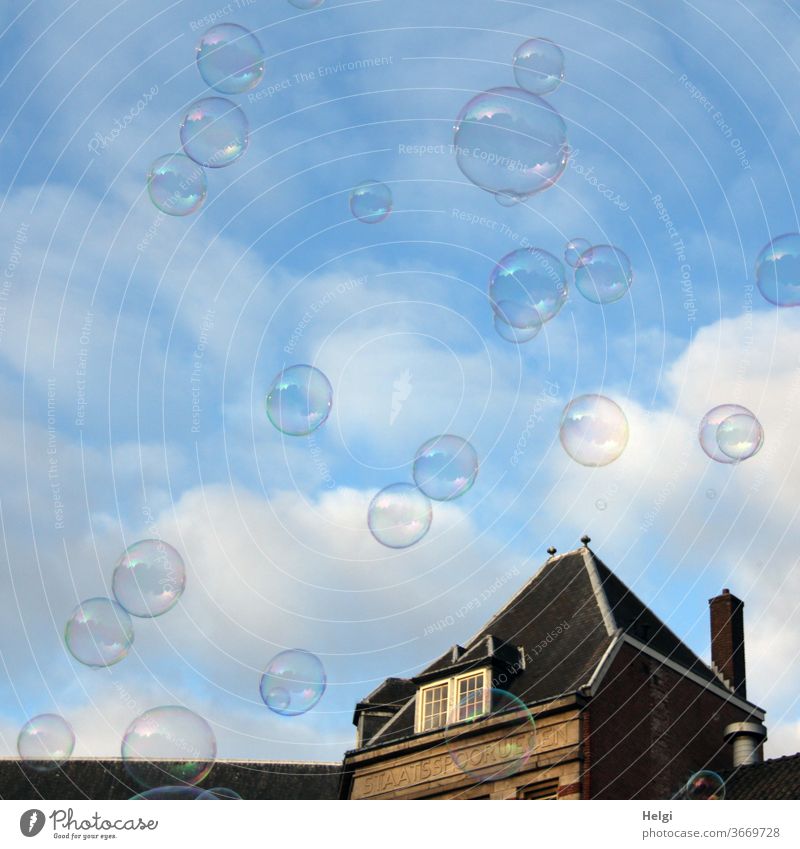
x=599 y=591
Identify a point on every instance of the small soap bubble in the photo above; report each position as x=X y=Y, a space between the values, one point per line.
x=601 y=504
x=709 y=430
x=594 y=430
x=573 y=250
x=168 y=744
x=219 y=793
x=511 y=142
x=539 y=66
x=705 y=785
x=508 y=199
x=214 y=132
x=445 y=467
x=176 y=184
x=740 y=436
x=778 y=270
x=171 y=793
x=149 y=578
x=300 y=400
x=293 y=682
x=99 y=632
x=230 y=59
x=306 y=4
x=399 y=515
x=603 y=274
x=485 y=756
x=46 y=742
x=711 y=494
x=371 y=202
x=516 y=335
x=528 y=287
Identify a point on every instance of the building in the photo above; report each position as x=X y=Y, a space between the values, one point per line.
x=605 y=702
x=622 y=708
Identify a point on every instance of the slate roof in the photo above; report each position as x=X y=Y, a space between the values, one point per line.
x=561 y=622
x=107 y=779
x=778 y=778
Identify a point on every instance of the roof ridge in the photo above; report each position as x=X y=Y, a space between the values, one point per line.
x=609 y=620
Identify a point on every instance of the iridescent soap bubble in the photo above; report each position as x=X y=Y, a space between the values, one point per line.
x=149 y=578
x=445 y=467
x=214 y=132
x=293 y=682
x=300 y=400
x=168 y=745
x=705 y=785
x=594 y=430
x=603 y=274
x=511 y=142
x=399 y=515
x=539 y=66
x=740 y=436
x=371 y=202
x=306 y=4
x=99 y=632
x=176 y=184
x=515 y=335
x=46 y=742
x=573 y=250
x=482 y=755
x=219 y=793
x=230 y=59
x=778 y=270
x=528 y=287
x=170 y=793
x=709 y=427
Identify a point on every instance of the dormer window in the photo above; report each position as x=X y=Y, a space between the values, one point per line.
x=455 y=699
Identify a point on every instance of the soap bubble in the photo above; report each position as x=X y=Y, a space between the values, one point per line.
x=223 y=793
x=445 y=467
x=778 y=270
x=99 y=632
x=149 y=578
x=371 y=202
x=293 y=682
x=709 y=427
x=573 y=250
x=214 y=132
x=176 y=184
x=46 y=742
x=705 y=785
x=300 y=400
x=399 y=515
x=516 y=335
x=510 y=142
x=528 y=287
x=306 y=4
x=508 y=199
x=485 y=756
x=539 y=66
x=170 y=793
x=603 y=274
x=594 y=430
x=740 y=436
x=230 y=58
x=168 y=744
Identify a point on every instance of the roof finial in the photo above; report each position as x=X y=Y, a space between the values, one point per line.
x=551 y=551
x=586 y=539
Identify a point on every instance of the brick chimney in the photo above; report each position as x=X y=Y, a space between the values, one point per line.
x=727 y=640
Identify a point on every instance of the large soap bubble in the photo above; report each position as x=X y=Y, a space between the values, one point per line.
x=176 y=184
x=214 y=132
x=399 y=515
x=230 y=59
x=511 y=142
x=709 y=433
x=149 y=578
x=293 y=682
x=603 y=274
x=300 y=400
x=539 y=66
x=46 y=742
x=778 y=270
x=445 y=467
x=594 y=430
x=168 y=745
x=99 y=632
x=528 y=287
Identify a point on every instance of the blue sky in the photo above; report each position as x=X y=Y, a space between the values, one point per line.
x=689 y=103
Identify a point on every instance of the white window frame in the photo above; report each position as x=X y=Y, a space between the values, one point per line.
x=452 y=696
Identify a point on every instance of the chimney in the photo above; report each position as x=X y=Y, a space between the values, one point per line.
x=727 y=640
x=748 y=742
